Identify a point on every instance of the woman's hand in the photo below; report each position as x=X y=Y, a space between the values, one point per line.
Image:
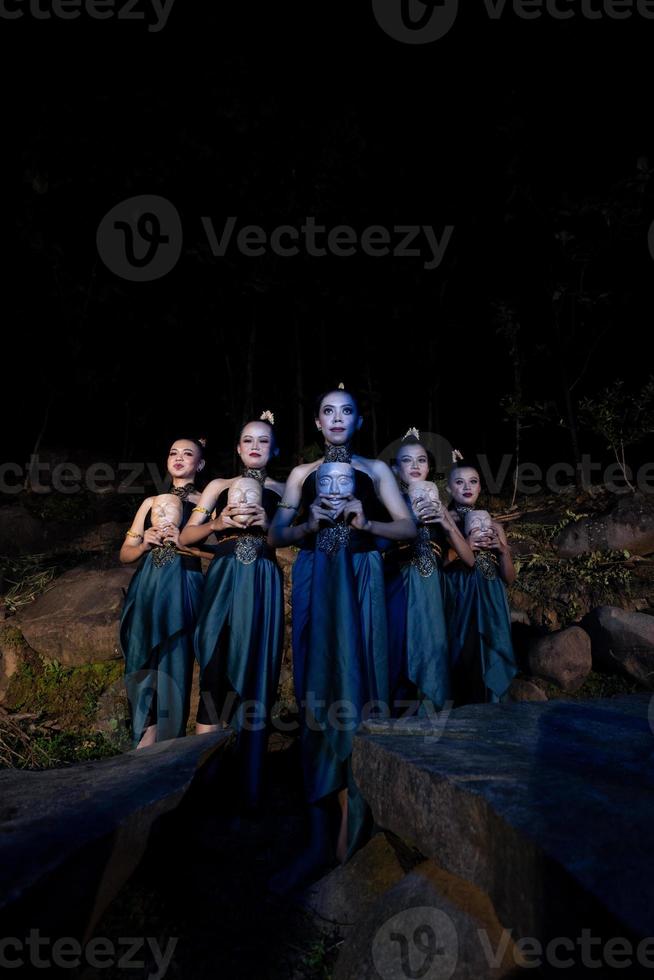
x=170 y=534
x=152 y=538
x=498 y=540
x=479 y=539
x=318 y=511
x=354 y=508
x=428 y=512
x=226 y=518
x=259 y=518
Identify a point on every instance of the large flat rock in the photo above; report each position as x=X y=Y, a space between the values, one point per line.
x=76 y=620
x=547 y=807
x=70 y=838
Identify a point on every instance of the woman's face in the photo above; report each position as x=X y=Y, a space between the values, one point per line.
x=184 y=460
x=412 y=464
x=255 y=445
x=338 y=418
x=465 y=486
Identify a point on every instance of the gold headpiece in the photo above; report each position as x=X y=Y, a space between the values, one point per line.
x=456 y=455
x=341 y=386
x=411 y=432
x=202 y=441
x=267 y=417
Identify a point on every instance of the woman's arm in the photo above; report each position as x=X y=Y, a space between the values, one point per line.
x=455 y=539
x=401 y=527
x=137 y=541
x=500 y=544
x=197 y=529
x=282 y=533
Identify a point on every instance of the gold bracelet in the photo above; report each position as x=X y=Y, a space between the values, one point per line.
x=200 y=510
x=286 y=506
x=133 y=534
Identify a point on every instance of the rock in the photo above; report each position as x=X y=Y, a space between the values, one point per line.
x=342 y=898
x=547 y=808
x=20 y=532
x=563 y=658
x=76 y=620
x=524 y=690
x=622 y=641
x=89 y=825
x=100 y=537
x=628 y=526
x=434 y=922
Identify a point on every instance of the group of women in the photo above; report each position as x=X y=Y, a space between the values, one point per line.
x=394 y=608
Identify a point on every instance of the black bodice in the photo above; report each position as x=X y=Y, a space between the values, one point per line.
x=364 y=490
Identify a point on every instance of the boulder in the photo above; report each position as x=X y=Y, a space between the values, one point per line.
x=562 y=658
x=20 y=532
x=76 y=620
x=343 y=897
x=628 y=526
x=430 y=924
x=622 y=641
x=524 y=690
x=70 y=838
x=545 y=807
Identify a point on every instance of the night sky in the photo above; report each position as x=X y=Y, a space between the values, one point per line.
x=531 y=138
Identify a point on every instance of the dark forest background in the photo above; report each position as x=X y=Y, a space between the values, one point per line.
x=533 y=138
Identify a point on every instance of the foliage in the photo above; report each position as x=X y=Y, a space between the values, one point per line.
x=620 y=417
x=571 y=586
x=69 y=694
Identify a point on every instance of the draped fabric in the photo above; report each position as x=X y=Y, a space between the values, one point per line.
x=156 y=638
x=417 y=627
x=340 y=657
x=238 y=643
x=480 y=620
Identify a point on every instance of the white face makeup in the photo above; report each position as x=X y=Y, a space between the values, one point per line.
x=423 y=490
x=184 y=460
x=478 y=520
x=255 y=446
x=243 y=493
x=464 y=485
x=166 y=511
x=338 y=418
x=412 y=464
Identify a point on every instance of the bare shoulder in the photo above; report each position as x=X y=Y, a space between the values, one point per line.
x=275 y=486
x=298 y=475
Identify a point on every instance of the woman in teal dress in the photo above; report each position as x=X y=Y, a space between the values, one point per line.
x=239 y=633
x=483 y=661
x=161 y=605
x=416 y=591
x=339 y=627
